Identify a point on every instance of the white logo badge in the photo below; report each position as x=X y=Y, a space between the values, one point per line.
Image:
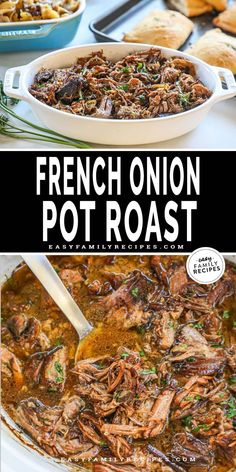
x=205 y=265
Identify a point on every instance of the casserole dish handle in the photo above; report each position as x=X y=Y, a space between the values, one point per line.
x=40 y=32
x=226 y=76
x=8 y=86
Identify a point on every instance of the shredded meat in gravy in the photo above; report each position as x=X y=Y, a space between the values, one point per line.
x=141 y=85
x=151 y=389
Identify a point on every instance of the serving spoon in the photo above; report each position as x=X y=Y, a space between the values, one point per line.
x=46 y=274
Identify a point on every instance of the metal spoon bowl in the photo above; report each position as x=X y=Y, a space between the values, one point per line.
x=46 y=274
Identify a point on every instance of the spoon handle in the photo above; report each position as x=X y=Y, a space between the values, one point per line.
x=46 y=274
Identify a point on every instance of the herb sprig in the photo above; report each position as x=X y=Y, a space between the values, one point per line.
x=9 y=128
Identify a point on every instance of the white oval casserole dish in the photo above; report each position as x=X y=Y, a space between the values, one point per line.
x=109 y=131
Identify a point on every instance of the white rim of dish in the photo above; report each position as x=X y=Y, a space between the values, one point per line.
x=32 y=23
x=194 y=60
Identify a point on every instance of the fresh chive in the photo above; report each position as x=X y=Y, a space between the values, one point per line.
x=226 y=314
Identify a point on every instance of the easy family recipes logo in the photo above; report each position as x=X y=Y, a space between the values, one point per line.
x=114 y=199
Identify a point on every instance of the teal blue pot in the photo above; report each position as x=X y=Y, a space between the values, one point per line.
x=44 y=34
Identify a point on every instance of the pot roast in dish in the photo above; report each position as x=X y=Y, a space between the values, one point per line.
x=139 y=86
x=151 y=389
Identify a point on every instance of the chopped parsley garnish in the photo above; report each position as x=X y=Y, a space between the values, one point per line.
x=204 y=426
x=234 y=324
x=226 y=314
x=148 y=371
x=141 y=329
x=170 y=324
x=189 y=399
x=124 y=355
x=141 y=67
x=191 y=359
x=187 y=421
x=142 y=353
x=142 y=98
x=217 y=345
x=198 y=325
x=135 y=292
x=184 y=98
x=183 y=346
x=231 y=410
x=198 y=397
x=163 y=382
x=58 y=342
x=59 y=369
x=8 y=127
x=126 y=69
x=232 y=380
x=116 y=395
